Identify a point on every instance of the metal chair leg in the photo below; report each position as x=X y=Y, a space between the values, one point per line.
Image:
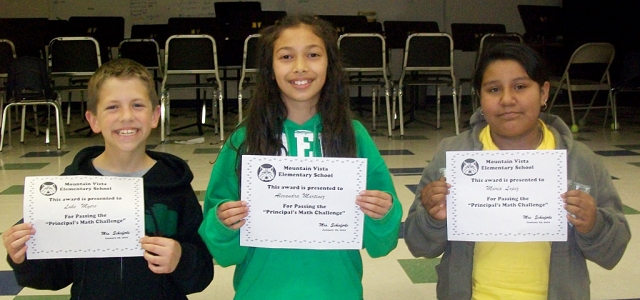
x=401 y=113
x=239 y=104
x=5 y=114
x=388 y=105
x=456 y=110
x=221 y=113
x=374 y=93
x=438 y=126
x=614 y=112
x=22 y=123
x=163 y=114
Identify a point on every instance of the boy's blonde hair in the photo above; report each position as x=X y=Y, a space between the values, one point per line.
x=122 y=68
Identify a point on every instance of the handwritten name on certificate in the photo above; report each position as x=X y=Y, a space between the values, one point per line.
x=506 y=196
x=302 y=202
x=84 y=216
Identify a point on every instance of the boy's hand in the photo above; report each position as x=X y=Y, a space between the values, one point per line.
x=232 y=213
x=162 y=254
x=14 y=240
x=581 y=210
x=434 y=198
x=374 y=204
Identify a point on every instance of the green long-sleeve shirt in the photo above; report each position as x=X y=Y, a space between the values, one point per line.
x=267 y=273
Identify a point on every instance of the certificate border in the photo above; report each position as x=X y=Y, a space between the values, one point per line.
x=30 y=194
x=482 y=236
x=253 y=161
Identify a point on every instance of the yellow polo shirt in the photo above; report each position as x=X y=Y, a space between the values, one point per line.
x=504 y=270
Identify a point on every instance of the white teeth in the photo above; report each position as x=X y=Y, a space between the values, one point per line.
x=301 y=82
x=126 y=132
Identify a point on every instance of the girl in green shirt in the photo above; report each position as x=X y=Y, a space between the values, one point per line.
x=300 y=109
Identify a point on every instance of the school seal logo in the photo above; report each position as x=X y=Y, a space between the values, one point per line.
x=48 y=188
x=266 y=172
x=469 y=167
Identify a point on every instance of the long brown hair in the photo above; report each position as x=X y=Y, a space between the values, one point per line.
x=267 y=111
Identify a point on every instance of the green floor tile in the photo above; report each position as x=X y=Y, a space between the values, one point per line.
x=635 y=164
x=43 y=297
x=629 y=211
x=206 y=150
x=410 y=137
x=420 y=270
x=13 y=190
x=629 y=147
x=46 y=154
x=23 y=166
x=200 y=195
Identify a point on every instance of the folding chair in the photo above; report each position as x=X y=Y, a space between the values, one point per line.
x=587 y=70
x=249 y=68
x=28 y=35
x=217 y=29
x=397 y=32
x=365 y=62
x=144 y=51
x=7 y=54
x=75 y=58
x=628 y=81
x=30 y=85
x=191 y=55
x=157 y=32
x=230 y=37
x=237 y=27
x=491 y=39
x=57 y=28
x=108 y=31
x=228 y=43
x=428 y=60
x=488 y=40
x=369 y=27
x=467 y=38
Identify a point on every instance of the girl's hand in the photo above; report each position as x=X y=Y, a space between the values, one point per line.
x=581 y=210
x=374 y=204
x=14 y=240
x=434 y=198
x=232 y=213
x=162 y=254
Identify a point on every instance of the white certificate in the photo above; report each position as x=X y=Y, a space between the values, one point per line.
x=302 y=202
x=506 y=196
x=84 y=216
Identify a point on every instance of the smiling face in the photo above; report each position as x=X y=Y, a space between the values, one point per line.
x=300 y=67
x=511 y=101
x=124 y=114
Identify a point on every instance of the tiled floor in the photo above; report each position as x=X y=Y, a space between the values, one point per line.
x=397 y=276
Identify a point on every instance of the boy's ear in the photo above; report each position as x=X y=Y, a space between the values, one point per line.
x=155 y=117
x=93 y=121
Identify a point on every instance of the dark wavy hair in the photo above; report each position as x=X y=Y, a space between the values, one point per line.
x=267 y=111
x=527 y=57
